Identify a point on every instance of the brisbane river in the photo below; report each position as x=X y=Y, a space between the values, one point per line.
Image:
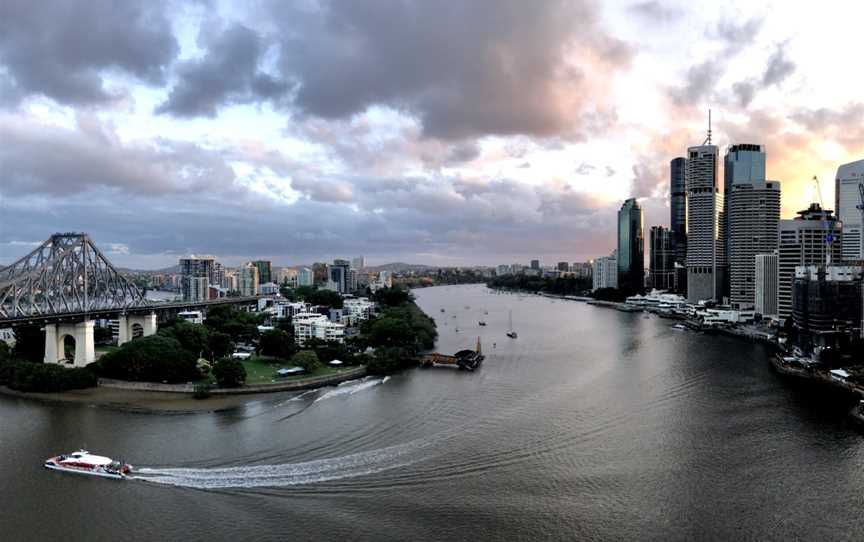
x=593 y=425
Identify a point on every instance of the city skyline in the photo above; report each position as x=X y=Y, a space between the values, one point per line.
x=250 y=133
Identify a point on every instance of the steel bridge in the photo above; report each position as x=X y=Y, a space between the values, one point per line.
x=66 y=283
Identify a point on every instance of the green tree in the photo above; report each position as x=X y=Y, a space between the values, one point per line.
x=306 y=359
x=393 y=297
x=156 y=358
x=276 y=343
x=389 y=360
x=192 y=337
x=220 y=344
x=390 y=331
x=29 y=344
x=229 y=373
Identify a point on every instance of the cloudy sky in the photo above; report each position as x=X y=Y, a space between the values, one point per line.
x=426 y=131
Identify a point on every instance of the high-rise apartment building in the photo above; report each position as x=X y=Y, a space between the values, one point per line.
x=248 y=279
x=563 y=266
x=661 y=266
x=706 y=262
x=195 y=268
x=754 y=215
x=605 y=272
x=631 y=246
x=766 y=276
x=265 y=271
x=814 y=237
x=304 y=277
x=535 y=264
x=359 y=262
x=848 y=196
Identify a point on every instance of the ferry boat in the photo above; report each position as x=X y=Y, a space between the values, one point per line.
x=83 y=462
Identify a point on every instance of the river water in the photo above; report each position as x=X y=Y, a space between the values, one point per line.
x=593 y=424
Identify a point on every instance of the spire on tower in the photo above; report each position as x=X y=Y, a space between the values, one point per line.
x=708 y=139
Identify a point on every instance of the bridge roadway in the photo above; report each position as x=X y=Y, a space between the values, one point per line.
x=133 y=322
x=153 y=307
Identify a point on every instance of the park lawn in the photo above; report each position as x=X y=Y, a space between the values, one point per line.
x=105 y=348
x=262 y=370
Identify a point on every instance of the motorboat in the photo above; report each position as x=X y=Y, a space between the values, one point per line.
x=481 y=323
x=83 y=462
x=680 y=327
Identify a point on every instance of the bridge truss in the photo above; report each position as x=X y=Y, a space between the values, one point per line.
x=66 y=274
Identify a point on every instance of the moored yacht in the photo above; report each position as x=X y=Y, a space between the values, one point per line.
x=83 y=462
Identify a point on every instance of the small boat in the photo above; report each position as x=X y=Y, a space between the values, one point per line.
x=83 y=462
x=680 y=327
x=481 y=323
x=442 y=310
x=512 y=334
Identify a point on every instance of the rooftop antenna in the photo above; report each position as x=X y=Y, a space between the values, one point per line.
x=708 y=139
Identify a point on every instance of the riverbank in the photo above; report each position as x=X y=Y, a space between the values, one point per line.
x=823 y=378
x=178 y=398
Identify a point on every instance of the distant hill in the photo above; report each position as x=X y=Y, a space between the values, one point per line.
x=165 y=270
x=400 y=267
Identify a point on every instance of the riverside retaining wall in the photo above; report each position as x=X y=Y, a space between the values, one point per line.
x=289 y=385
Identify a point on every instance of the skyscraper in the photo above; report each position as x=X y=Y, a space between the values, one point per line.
x=535 y=264
x=803 y=242
x=743 y=164
x=339 y=274
x=705 y=255
x=605 y=272
x=563 y=266
x=678 y=219
x=847 y=198
x=661 y=266
x=192 y=268
x=265 y=271
x=248 y=279
x=359 y=262
x=765 y=302
x=753 y=217
x=631 y=246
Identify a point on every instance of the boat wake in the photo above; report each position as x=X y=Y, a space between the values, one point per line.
x=288 y=474
x=351 y=387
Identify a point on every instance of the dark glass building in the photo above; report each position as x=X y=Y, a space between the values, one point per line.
x=265 y=271
x=661 y=266
x=631 y=247
x=678 y=218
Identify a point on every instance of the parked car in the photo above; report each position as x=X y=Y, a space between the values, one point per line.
x=241 y=355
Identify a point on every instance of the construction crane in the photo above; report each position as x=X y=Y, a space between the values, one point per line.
x=829 y=235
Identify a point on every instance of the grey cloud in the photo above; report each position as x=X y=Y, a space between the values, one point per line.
x=778 y=69
x=585 y=168
x=845 y=124
x=609 y=171
x=655 y=12
x=700 y=81
x=228 y=74
x=60 y=48
x=58 y=161
x=736 y=36
x=744 y=91
x=461 y=70
x=646 y=180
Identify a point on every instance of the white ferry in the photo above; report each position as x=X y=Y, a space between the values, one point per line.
x=83 y=462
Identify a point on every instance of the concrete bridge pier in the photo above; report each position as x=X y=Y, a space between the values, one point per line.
x=55 y=338
x=136 y=325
